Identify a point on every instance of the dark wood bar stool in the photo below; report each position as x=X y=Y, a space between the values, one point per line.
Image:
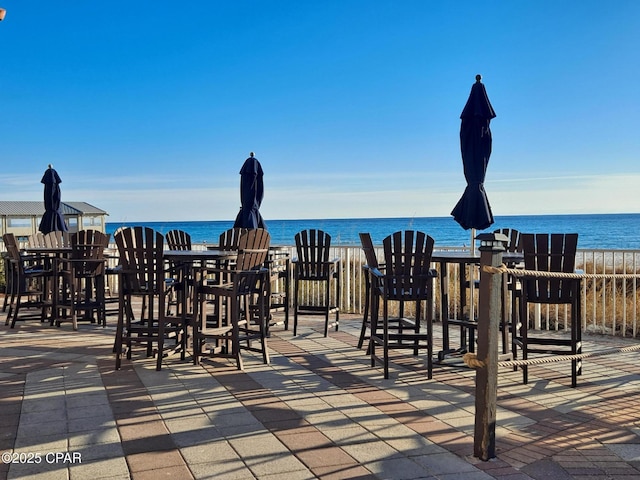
x=407 y=279
x=142 y=275
x=83 y=272
x=368 y=272
x=313 y=266
x=245 y=284
x=552 y=253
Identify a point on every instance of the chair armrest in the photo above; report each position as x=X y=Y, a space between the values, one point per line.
x=261 y=271
x=376 y=273
x=29 y=257
x=334 y=262
x=82 y=260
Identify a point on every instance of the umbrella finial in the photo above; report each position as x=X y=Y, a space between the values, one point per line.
x=50 y=166
x=251 y=154
x=478 y=78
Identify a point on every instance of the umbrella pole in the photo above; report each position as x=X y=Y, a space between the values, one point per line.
x=472 y=251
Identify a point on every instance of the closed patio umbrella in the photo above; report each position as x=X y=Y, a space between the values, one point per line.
x=473 y=209
x=52 y=220
x=251 y=195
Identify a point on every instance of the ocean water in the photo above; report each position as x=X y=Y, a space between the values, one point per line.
x=607 y=231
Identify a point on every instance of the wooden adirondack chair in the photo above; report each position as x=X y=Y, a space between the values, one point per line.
x=407 y=278
x=30 y=278
x=83 y=275
x=142 y=274
x=313 y=266
x=246 y=289
x=176 y=281
x=554 y=252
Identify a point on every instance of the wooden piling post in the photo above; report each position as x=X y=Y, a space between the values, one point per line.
x=489 y=311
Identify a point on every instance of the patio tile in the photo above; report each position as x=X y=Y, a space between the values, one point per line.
x=228 y=469
x=325 y=456
x=317 y=411
x=398 y=468
x=100 y=468
x=154 y=460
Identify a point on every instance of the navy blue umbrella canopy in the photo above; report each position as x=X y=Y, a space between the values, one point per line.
x=473 y=209
x=52 y=220
x=251 y=195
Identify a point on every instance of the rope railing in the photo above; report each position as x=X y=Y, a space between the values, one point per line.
x=520 y=272
x=471 y=360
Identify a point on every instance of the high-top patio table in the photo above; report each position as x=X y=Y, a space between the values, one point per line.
x=191 y=260
x=467 y=326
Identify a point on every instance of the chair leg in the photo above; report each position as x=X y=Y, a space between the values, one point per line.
x=11 y=306
x=371 y=349
x=149 y=310
x=576 y=337
x=296 y=287
x=385 y=340
x=515 y=332
x=327 y=296
x=429 y=320
x=286 y=300
x=117 y=346
x=199 y=315
x=367 y=296
x=17 y=309
x=100 y=297
x=11 y=314
x=524 y=327
x=337 y=280
x=161 y=325
x=235 y=331
x=503 y=313
x=263 y=320
x=416 y=329
x=74 y=294
x=8 y=293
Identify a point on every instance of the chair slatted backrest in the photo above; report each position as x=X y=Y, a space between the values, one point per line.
x=253 y=249
x=178 y=240
x=513 y=244
x=90 y=236
x=554 y=252
x=312 y=247
x=37 y=240
x=89 y=245
x=229 y=239
x=57 y=239
x=141 y=257
x=407 y=257
x=369 y=250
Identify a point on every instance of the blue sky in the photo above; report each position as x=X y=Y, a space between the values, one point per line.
x=148 y=109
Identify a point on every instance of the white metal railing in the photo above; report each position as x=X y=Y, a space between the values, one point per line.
x=609 y=305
